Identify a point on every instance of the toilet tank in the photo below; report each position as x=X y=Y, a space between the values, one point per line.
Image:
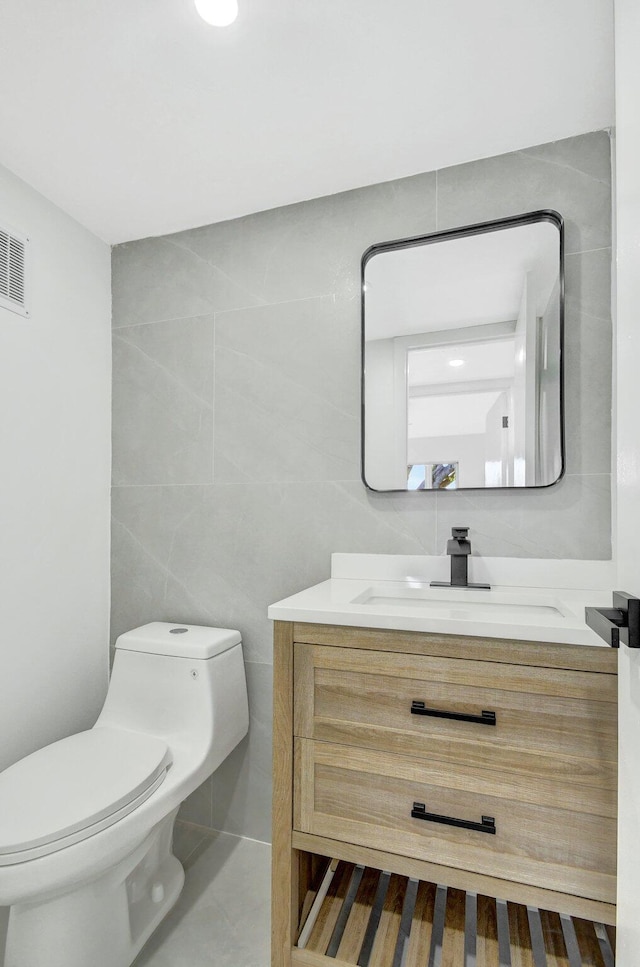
x=183 y=683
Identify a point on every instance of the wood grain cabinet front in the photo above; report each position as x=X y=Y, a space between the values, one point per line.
x=491 y=768
x=481 y=821
x=489 y=714
x=411 y=752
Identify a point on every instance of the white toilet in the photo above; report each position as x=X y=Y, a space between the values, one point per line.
x=86 y=823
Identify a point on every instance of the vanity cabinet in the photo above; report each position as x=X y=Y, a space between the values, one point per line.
x=483 y=764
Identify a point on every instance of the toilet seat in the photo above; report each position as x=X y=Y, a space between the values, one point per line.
x=72 y=789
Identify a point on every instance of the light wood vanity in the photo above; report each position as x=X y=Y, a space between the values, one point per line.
x=484 y=764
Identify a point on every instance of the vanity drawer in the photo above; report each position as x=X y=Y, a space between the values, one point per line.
x=366 y=797
x=548 y=721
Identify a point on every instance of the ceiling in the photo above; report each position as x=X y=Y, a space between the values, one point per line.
x=138 y=119
x=431 y=368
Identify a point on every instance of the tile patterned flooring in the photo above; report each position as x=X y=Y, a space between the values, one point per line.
x=222 y=917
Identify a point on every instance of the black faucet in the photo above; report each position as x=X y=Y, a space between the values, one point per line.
x=459 y=549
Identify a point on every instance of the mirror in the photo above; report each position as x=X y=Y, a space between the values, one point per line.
x=462 y=357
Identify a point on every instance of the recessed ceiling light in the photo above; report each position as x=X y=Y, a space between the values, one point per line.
x=217 y=13
x=456 y=362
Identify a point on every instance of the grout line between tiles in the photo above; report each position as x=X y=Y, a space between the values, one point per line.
x=214 y=312
x=291 y=482
x=212 y=831
x=589 y=251
x=154 y=322
x=280 y=302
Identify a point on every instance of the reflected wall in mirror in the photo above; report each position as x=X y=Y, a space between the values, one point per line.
x=462 y=357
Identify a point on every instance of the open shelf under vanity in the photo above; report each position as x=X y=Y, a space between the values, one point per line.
x=362 y=916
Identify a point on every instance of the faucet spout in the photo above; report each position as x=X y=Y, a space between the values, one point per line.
x=459 y=550
x=458 y=545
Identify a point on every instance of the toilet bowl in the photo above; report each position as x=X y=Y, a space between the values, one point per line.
x=86 y=862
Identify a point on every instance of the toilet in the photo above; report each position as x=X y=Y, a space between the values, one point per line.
x=86 y=824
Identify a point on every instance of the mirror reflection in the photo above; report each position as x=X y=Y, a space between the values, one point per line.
x=462 y=371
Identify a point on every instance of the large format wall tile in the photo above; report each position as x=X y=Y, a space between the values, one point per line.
x=137 y=581
x=571 y=176
x=287 y=392
x=241 y=787
x=570 y=520
x=236 y=415
x=588 y=362
x=156 y=279
x=163 y=402
x=312 y=248
x=220 y=555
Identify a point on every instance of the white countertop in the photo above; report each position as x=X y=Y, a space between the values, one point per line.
x=408 y=603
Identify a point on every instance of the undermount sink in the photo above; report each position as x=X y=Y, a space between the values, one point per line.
x=461 y=603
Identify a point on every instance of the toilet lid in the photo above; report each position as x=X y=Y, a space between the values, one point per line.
x=72 y=788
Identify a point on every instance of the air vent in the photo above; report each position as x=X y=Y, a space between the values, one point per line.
x=13 y=271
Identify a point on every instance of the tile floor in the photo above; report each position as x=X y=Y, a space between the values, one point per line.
x=222 y=917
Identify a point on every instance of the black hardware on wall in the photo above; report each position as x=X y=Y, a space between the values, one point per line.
x=488 y=824
x=486 y=718
x=619 y=623
x=459 y=550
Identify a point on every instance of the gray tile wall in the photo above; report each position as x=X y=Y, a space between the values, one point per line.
x=236 y=415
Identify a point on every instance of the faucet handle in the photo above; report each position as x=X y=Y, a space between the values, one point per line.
x=460 y=533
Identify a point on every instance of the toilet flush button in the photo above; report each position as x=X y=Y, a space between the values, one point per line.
x=157 y=892
x=178 y=631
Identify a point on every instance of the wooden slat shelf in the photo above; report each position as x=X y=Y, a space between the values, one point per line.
x=370 y=918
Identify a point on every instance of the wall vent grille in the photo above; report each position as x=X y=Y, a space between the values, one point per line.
x=13 y=271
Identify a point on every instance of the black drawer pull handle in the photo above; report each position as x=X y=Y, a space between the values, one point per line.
x=487 y=718
x=488 y=824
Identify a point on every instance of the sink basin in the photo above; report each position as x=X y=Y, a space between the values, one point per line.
x=463 y=604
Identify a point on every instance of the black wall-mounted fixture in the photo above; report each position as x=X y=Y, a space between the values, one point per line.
x=459 y=549
x=619 y=623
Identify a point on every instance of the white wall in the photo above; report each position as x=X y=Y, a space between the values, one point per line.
x=55 y=371
x=628 y=471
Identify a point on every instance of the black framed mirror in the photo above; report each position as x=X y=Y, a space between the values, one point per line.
x=462 y=357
